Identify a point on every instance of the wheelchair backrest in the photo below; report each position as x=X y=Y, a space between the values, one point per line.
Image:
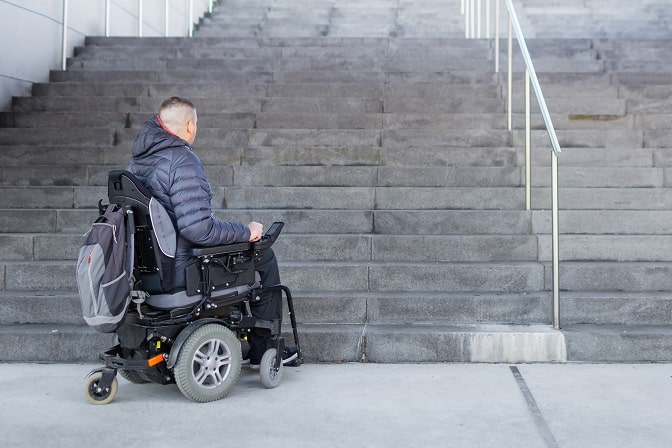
x=155 y=236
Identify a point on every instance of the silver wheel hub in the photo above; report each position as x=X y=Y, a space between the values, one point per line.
x=211 y=363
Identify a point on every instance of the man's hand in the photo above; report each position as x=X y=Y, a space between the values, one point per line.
x=256 y=231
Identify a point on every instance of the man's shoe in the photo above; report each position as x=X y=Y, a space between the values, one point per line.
x=246 y=362
x=290 y=356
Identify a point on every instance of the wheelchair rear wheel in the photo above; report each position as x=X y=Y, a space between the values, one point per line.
x=208 y=365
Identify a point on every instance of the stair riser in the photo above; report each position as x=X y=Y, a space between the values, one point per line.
x=596 y=347
x=353 y=344
x=350 y=248
x=56 y=346
x=331 y=277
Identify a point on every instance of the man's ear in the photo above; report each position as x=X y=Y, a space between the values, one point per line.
x=191 y=131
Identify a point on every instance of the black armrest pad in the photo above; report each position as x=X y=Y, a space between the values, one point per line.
x=264 y=243
x=224 y=249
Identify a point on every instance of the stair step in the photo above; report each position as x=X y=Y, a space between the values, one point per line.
x=618 y=343
x=362 y=176
x=322 y=343
x=153 y=76
x=51 y=343
x=330 y=276
x=318 y=247
x=615 y=308
x=57 y=136
x=606 y=198
x=405 y=138
x=388 y=343
x=222 y=89
x=350 y=198
x=291 y=114
x=597 y=248
x=610 y=177
x=627 y=222
x=615 y=276
x=41 y=307
x=306 y=65
x=78 y=221
x=606 y=222
x=585 y=139
x=281 y=77
x=454 y=308
x=390 y=248
x=240 y=103
x=365 y=198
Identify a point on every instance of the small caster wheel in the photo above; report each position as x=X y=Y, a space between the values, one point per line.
x=99 y=395
x=270 y=376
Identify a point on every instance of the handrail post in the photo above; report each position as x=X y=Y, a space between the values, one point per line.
x=510 y=75
x=487 y=19
x=497 y=36
x=473 y=18
x=166 y=17
x=139 y=18
x=467 y=13
x=191 y=18
x=107 y=18
x=64 y=37
x=478 y=19
x=556 y=241
x=528 y=144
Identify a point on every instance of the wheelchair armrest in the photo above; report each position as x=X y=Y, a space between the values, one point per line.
x=265 y=242
x=220 y=250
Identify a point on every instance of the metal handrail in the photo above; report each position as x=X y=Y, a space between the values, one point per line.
x=189 y=31
x=467 y=8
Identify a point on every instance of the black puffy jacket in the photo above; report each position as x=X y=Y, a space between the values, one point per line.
x=174 y=174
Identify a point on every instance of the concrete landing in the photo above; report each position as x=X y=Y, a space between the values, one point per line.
x=353 y=405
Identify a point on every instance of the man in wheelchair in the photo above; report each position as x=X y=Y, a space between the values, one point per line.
x=163 y=160
x=208 y=268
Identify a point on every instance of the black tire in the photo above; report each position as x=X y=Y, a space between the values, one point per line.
x=208 y=365
x=97 y=395
x=270 y=376
x=132 y=376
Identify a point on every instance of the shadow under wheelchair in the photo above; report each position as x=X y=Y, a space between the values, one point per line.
x=197 y=336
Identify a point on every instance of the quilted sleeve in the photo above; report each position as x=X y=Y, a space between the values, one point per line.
x=190 y=196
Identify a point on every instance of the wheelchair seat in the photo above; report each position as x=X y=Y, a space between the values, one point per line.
x=224 y=273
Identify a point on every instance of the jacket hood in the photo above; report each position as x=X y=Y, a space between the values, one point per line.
x=153 y=137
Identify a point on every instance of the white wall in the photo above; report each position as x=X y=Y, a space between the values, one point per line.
x=31 y=33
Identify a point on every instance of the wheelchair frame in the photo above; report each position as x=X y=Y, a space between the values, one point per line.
x=199 y=346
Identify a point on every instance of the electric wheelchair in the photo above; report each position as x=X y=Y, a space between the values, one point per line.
x=195 y=337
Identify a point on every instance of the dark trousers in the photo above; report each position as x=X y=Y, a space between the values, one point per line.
x=270 y=307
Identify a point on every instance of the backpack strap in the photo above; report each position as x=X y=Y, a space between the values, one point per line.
x=137 y=296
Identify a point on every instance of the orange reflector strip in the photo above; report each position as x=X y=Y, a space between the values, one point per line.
x=158 y=359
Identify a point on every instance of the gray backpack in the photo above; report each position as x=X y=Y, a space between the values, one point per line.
x=104 y=271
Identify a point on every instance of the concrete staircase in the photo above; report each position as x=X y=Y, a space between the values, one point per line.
x=383 y=146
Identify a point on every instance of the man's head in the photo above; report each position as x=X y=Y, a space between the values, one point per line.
x=179 y=116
